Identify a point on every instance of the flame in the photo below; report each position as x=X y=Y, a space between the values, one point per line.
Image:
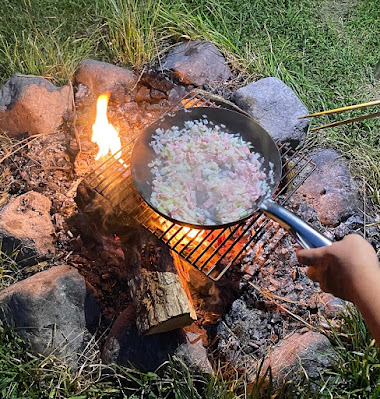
x=191 y=233
x=103 y=133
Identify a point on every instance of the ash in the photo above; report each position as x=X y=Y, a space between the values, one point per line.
x=277 y=298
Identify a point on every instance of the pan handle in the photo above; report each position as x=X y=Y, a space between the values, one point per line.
x=304 y=234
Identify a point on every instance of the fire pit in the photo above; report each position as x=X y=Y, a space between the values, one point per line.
x=240 y=285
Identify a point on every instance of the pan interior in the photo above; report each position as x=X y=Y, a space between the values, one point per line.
x=235 y=122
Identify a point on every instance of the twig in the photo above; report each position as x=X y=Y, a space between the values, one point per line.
x=33 y=138
x=337 y=110
x=282 y=307
x=139 y=78
x=346 y=121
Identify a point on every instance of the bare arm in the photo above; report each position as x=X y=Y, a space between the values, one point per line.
x=350 y=270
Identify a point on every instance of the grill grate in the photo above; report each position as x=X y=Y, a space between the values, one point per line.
x=211 y=251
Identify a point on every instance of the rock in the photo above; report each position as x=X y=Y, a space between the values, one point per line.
x=276 y=108
x=25 y=224
x=297 y=355
x=157 y=95
x=47 y=310
x=198 y=63
x=332 y=305
x=33 y=105
x=156 y=81
x=124 y=346
x=100 y=77
x=142 y=95
x=194 y=354
x=176 y=94
x=330 y=188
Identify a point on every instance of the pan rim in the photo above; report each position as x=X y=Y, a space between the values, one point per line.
x=150 y=130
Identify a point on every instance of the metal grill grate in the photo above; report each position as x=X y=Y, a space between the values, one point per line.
x=211 y=251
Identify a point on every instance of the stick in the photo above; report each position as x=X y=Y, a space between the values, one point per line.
x=360 y=118
x=337 y=110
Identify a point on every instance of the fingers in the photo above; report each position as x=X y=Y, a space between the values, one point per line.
x=318 y=274
x=312 y=273
x=311 y=257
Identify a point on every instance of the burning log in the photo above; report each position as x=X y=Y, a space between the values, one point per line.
x=160 y=295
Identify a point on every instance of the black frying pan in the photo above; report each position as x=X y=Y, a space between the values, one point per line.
x=250 y=131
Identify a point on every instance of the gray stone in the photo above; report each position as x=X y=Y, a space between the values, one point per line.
x=198 y=63
x=47 y=310
x=330 y=188
x=176 y=94
x=100 y=77
x=26 y=226
x=332 y=305
x=297 y=355
x=276 y=108
x=124 y=346
x=194 y=354
x=33 y=105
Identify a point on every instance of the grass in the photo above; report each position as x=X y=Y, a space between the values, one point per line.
x=357 y=370
x=356 y=374
x=325 y=51
x=23 y=375
x=134 y=34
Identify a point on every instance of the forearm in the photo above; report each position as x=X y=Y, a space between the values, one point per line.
x=366 y=296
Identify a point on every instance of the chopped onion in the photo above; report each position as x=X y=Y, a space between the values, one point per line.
x=204 y=175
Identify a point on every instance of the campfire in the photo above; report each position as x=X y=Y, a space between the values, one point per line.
x=158 y=250
x=167 y=277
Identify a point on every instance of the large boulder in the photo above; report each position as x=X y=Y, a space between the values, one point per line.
x=26 y=226
x=47 y=310
x=29 y=104
x=124 y=346
x=297 y=355
x=276 y=108
x=330 y=188
x=198 y=63
x=100 y=77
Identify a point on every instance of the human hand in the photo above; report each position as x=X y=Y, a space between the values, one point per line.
x=341 y=267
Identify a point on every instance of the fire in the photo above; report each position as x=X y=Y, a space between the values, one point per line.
x=103 y=133
x=191 y=233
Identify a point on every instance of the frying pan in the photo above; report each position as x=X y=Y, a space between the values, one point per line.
x=250 y=131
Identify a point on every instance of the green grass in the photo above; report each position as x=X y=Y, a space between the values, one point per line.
x=357 y=370
x=134 y=34
x=47 y=38
x=23 y=375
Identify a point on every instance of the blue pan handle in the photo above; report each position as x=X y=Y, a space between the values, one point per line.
x=304 y=234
